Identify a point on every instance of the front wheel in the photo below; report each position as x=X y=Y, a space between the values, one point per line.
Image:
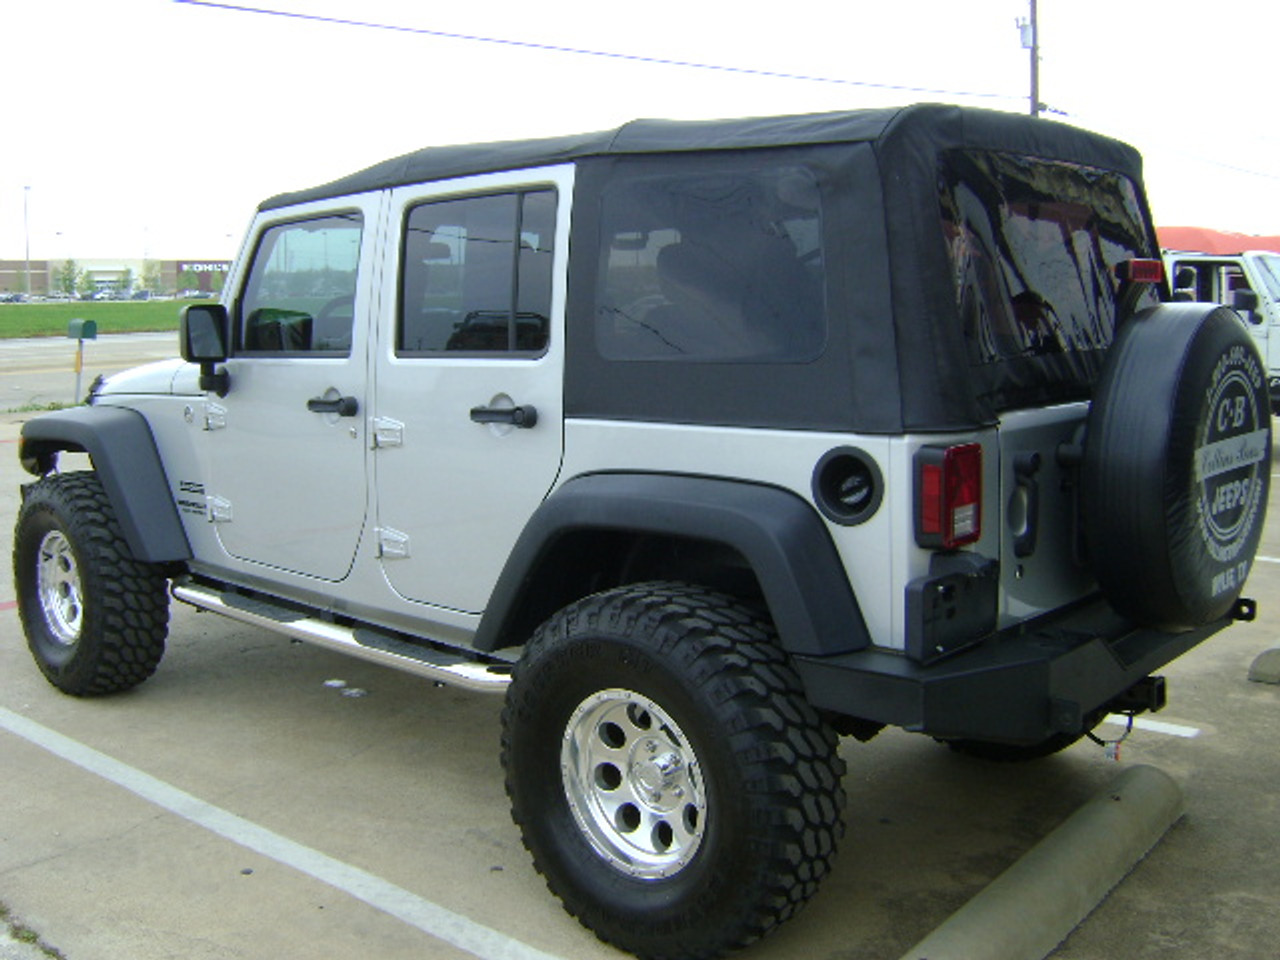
x=95 y=618
x=673 y=785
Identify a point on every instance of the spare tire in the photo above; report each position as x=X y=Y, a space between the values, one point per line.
x=1177 y=465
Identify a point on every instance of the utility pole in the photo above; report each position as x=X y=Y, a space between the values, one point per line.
x=1030 y=31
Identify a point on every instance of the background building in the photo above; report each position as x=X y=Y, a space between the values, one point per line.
x=121 y=277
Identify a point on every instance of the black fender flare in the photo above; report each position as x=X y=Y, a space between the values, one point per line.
x=124 y=454
x=780 y=536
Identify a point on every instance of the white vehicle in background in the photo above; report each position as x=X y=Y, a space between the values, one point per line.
x=1248 y=282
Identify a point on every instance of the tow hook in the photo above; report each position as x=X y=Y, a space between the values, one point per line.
x=1245 y=610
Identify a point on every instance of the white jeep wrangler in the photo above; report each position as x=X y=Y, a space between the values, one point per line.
x=1249 y=283
x=704 y=443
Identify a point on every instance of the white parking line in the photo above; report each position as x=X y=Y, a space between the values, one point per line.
x=1268 y=559
x=1155 y=726
x=430 y=918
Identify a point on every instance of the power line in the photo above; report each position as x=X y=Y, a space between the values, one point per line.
x=577 y=51
x=1166 y=143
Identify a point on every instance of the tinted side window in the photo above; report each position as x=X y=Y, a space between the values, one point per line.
x=300 y=294
x=477 y=275
x=720 y=263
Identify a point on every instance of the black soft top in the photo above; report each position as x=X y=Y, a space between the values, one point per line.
x=897 y=359
x=920 y=131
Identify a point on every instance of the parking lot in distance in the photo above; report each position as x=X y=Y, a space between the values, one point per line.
x=399 y=781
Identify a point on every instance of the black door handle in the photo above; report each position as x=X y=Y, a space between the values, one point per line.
x=342 y=406
x=524 y=416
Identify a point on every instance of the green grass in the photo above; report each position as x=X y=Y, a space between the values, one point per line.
x=125 y=316
x=24 y=934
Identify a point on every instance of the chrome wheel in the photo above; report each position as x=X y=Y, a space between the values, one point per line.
x=633 y=783
x=59 y=589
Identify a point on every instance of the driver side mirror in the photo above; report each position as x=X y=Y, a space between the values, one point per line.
x=1245 y=302
x=203 y=333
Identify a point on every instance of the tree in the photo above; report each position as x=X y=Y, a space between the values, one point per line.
x=151 y=275
x=66 y=279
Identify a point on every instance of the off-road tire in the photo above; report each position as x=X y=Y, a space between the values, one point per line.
x=698 y=677
x=95 y=618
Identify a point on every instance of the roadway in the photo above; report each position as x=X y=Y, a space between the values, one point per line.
x=38 y=371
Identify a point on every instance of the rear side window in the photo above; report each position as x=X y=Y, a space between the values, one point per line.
x=477 y=275
x=1033 y=245
x=300 y=295
x=720 y=261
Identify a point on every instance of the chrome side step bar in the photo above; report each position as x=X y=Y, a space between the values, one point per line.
x=362 y=642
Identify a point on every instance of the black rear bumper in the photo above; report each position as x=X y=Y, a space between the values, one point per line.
x=1020 y=686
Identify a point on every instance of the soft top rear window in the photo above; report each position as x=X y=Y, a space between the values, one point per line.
x=1033 y=245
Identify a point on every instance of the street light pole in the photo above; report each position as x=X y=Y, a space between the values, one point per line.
x=26 y=234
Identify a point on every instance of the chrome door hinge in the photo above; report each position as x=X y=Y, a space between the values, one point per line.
x=392 y=544
x=386 y=432
x=215 y=416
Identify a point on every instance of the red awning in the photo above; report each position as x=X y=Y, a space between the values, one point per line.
x=1206 y=240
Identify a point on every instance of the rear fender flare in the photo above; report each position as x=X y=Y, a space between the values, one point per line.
x=780 y=536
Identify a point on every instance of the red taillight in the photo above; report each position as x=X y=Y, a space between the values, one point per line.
x=948 y=496
x=1141 y=271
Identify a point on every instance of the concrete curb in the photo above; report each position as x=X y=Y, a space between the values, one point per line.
x=1266 y=667
x=1031 y=908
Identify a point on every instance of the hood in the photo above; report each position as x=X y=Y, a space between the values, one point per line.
x=161 y=377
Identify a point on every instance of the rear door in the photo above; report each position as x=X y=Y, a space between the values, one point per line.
x=468 y=419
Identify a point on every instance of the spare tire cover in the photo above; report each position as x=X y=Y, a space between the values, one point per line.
x=1177 y=465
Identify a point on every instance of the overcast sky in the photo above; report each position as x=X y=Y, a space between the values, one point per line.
x=152 y=128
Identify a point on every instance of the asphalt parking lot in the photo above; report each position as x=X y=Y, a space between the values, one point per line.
x=262 y=799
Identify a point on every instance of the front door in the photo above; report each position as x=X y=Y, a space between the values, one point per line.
x=467 y=426
x=288 y=441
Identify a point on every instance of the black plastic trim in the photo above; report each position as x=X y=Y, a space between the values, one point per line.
x=778 y=534
x=826 y=492
x=124 y=454
x=952 y=607
x=1022 y=686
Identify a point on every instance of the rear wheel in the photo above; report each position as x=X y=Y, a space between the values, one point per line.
x=95 y=618
x=673 y=785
